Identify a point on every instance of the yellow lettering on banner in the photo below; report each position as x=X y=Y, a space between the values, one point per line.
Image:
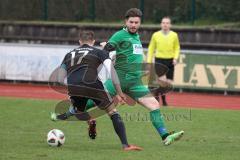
x=199 y=76
x=179 y=73
x=219 y=76
x=237 y=86
x=181 y=58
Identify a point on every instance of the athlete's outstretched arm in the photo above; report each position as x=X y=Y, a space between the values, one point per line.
x=61 y=75
x=110 y=68
x=107 y=46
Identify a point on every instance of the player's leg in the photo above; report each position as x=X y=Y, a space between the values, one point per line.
x=169 y=80
x=143 y=96
x=163 y=84
x=109 y=106
x=92 y=130
x=157 y=120
x=120 y=130
x=92 y=124
x=77 y=103
x=152 y=104
x=77 y=92
x=119 y=126
x=116 y=119
x=81 y=107
x=163 y=68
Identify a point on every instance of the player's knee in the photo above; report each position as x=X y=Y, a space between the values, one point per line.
x=154 y=105
x=112 y=112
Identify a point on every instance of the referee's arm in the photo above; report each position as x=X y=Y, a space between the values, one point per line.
x=176 y=48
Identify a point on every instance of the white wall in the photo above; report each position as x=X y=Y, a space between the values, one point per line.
x=30 y=62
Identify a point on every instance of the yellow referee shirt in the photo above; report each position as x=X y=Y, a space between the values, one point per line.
x=163 y=46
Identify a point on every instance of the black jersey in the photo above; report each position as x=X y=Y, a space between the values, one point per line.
x=83 y=63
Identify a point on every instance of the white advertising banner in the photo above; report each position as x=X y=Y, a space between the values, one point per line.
x=30 y=62
x=196 y=69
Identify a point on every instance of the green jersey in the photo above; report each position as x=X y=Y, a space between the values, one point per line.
x=129 y=55
x=128 y=64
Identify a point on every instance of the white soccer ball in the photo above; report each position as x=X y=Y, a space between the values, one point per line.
x=55 y=138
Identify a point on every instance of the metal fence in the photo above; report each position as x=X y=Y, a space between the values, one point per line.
x=113 y=10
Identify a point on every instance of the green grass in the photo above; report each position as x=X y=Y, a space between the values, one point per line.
x=210 y=134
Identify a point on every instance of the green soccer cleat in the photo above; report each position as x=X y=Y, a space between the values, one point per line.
x=173 y=137
x=53 y=116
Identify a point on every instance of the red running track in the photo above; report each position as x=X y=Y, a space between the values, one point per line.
x=191 y=100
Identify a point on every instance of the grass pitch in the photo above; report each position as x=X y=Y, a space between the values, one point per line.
x=209 y=134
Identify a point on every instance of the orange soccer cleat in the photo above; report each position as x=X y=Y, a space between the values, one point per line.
x=132 y=148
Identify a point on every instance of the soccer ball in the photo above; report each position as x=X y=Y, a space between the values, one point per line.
x=55 y=138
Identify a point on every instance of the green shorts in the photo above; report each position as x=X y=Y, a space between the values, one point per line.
x=133 y=89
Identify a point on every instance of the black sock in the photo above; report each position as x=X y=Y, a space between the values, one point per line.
x=156 y=95
x=163 y=99
x=119 y=128
x=67 y=114
x=62 y=116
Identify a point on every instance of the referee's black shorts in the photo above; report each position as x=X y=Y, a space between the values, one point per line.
x=164 y=67
x=80 y=92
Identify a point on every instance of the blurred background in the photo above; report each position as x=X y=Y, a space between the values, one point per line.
x=181 y=11
x=35 y=35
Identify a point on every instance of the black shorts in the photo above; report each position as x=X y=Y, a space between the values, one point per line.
x=164 y=67
x=81 y=92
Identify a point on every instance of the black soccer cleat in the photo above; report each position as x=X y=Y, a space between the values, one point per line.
x=92 y=132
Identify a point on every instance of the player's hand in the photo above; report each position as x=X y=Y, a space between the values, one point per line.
x=121 y=99
x=103 y=44
x=174 y=62
x=123 y=96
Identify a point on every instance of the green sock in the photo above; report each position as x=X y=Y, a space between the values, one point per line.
x=158 y=123
x=90 y=104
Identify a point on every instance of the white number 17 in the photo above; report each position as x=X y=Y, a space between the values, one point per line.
x=80 y=58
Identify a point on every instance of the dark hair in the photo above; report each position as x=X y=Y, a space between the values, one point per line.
x=133 y=12
x=86 y=36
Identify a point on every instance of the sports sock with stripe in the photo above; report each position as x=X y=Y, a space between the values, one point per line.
x=158 y=123
x=69 y=113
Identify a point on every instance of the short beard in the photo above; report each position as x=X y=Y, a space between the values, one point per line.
x=131 y=32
